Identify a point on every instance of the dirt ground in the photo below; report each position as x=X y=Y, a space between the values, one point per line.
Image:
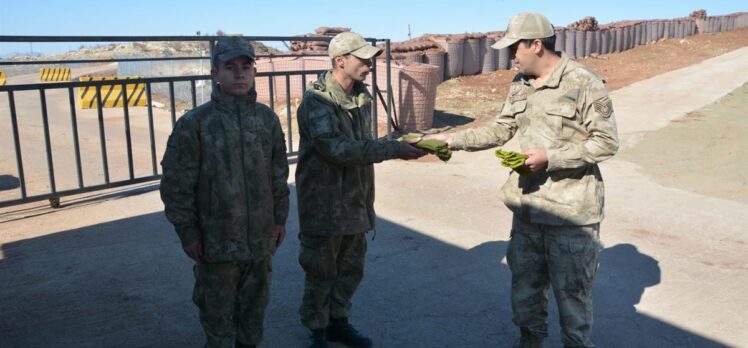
x=479 y=97
x=712 y=161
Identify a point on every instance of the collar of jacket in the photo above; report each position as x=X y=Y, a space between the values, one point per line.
x=329 y=88
x=231 y=100
x=554 y=79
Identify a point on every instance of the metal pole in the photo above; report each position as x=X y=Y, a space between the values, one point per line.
x=172 y=104
x=212 y=46
x=47 y=142
x=150 y=128
x=194 y=93
x=389 y=87
x=102 y=135
x=374 y=113
x=270 y=87
x=17 y=142
x=288 y=113
x=128 y=137
x=76 y=143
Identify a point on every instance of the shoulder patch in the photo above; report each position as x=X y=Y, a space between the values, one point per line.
x=603 y=106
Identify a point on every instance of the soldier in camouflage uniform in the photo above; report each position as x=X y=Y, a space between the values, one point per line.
x=225 y=189
x=564 y=118
x=335 y=188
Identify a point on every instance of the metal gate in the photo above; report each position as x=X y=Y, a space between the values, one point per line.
x=52 y=149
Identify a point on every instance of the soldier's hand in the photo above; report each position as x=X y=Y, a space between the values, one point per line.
x=194 y=250
x=279 y=235
x=536 y=160
x=447 y=138
x=408 y=151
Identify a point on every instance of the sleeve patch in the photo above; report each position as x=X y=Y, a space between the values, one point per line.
x=604 y=106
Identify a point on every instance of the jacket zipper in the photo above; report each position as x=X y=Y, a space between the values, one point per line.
x=243 y=170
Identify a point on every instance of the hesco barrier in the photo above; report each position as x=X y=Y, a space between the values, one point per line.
x=275 y=89
x=580 y=41
x=435 y=57
x=571 y=43
x=455 y=54
x=413 y=93
x=589 y=43
x=488 y=55
x=503 y=61
x=560 y=39
x=413 y=57
x=468 y=54
x=471 y=57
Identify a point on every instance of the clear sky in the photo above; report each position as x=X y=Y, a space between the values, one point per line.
x=380 y=18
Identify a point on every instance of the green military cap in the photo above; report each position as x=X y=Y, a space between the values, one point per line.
x=525 y=25
x=230 y=47
x=351 y=43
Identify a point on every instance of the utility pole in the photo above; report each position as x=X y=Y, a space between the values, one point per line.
x=408 y=31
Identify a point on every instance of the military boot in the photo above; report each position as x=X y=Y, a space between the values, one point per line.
x=340 y=330
x=318 y=339
x=528 y=340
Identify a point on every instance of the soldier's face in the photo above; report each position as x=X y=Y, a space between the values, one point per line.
x=236 y=77
x=524 y=56
x=355 y=67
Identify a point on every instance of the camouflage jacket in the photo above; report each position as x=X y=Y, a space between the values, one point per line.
x=570 y=116
x=335 y=175
x=225 y=175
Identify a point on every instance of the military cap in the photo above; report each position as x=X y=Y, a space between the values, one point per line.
x=525 y=25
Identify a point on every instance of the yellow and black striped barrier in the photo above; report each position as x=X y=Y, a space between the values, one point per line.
x=55 y=74
x=3 y=79
x=111 y=95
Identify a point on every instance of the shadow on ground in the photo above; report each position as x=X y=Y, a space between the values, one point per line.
x=9 y=182
x=445 y=119
x=126 y=283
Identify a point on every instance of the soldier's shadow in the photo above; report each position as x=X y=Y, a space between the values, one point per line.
x=423 y=292
x=624 y=275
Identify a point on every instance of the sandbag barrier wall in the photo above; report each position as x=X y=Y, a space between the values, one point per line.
x=470 y=54
x=415 y=74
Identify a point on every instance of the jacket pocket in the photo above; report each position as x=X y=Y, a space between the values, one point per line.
x=561 y=119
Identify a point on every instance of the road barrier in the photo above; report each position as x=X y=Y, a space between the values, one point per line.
x=55 y=74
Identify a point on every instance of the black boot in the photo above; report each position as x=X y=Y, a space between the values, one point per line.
x=318 y=339
x=341 y=331
x=528 y=340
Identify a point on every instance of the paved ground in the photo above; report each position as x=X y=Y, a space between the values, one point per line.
x=108 y=271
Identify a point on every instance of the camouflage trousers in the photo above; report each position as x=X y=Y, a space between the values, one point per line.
x=564 y=258
x=334 y=267
x=232 y=297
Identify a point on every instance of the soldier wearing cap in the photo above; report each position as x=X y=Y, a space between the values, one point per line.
x=224 y=189
x=335 y=188
x=561 y=112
